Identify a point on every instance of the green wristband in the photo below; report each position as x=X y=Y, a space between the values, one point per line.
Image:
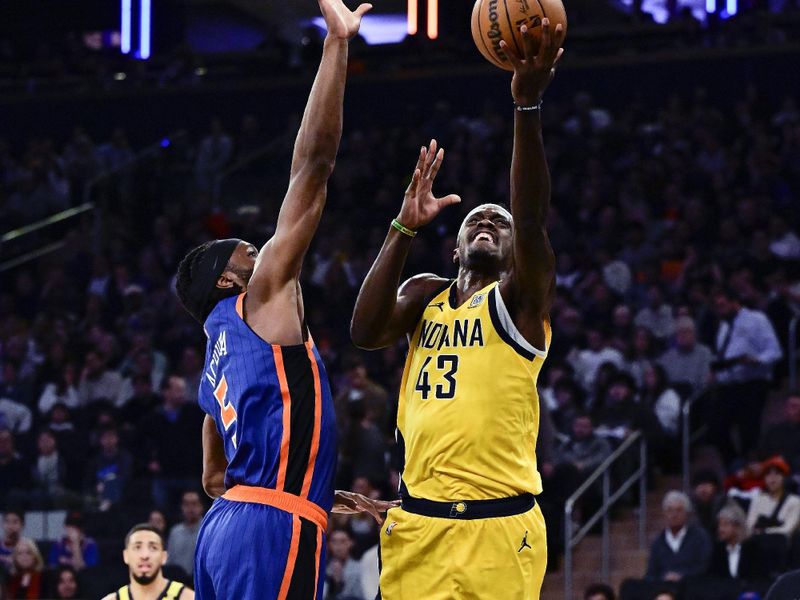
x=403 y=229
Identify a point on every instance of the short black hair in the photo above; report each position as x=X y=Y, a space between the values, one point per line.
x=15 y=511
x=183 y=284
x=145 y=527
x=600 y=588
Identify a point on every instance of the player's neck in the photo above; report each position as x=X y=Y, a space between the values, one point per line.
x=151 y=591
x=470 y=281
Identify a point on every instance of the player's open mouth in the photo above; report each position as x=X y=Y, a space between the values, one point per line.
x=484 y=236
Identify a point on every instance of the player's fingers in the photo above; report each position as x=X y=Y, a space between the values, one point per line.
x=515 y=60
x=414 y=181
x=449 y=199
x=362 y=10
x=528 y=43
x=546 y=38
x=559 y=54
x=437 y=163
x=430 y=158
x=421 y=158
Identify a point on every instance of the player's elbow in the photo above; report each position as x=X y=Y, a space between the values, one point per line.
x=362 y=337
x=213 y=484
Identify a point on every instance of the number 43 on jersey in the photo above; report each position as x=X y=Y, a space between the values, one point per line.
x=447 y=364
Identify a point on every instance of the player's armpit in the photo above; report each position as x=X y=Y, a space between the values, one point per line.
x=381 y=317
x=214 y=461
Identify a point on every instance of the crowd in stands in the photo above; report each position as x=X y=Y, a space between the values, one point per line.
x=678 y=260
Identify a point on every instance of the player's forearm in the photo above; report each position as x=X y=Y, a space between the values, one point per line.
x=377 y=299
x=530 y=176
x=321 y=128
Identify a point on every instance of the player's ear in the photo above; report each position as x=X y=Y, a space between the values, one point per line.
x=456 y=257
x=125 y=556
x=164 y=557
x=226 y=281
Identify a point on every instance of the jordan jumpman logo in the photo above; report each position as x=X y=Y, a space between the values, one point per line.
x=525 y=543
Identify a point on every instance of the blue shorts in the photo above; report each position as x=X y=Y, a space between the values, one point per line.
x=253 y=551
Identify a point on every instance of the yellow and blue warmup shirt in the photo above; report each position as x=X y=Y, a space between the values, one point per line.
x=468 y=413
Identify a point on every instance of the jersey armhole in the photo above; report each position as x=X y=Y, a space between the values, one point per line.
x=501 y=319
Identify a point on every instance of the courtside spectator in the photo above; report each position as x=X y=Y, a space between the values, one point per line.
x=343 y=574
x=746 y=351
x=13 y=523
x=26 y=571
x=734 y=555
x=599 y=591
x=64 y=585
x=774 y=509
x=14 y=473
x=783 y=438
x=683 y=548
x=708 y=498
x=183 y=536
x=74 y=548
x=687 y=361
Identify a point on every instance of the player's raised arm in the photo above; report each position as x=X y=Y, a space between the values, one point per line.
x=314 y=156
x=533 y=274
x=383 y=313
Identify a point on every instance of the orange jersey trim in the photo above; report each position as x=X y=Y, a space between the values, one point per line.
x=287 y=417
x=280 y=500
x=290 y=562
x=312 y=457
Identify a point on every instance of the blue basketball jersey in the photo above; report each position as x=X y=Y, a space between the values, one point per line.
x=272 y=406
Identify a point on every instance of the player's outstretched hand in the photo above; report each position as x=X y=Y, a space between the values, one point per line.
x=350 y=503
x=342 y=23
x=534 y=71
x=420 y=206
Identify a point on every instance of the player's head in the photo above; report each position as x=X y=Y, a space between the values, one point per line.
x=144 y=553
x=212 y=272
x=484 y=239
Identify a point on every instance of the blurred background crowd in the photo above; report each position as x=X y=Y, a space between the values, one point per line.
x=675 y=225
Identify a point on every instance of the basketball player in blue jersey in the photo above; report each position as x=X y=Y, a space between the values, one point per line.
x=468 y=414
x=269 y=437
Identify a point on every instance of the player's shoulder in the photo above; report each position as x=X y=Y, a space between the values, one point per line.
x=186 y=594
x=111 y=596
x=423 y=286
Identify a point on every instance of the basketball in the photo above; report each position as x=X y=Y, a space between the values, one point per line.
x=496 y=20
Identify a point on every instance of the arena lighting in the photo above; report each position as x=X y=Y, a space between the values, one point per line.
x=433 y=18
x=413 y=17
x=732 y=7
x=144 y=30
x=711 y=6
x=125 y=28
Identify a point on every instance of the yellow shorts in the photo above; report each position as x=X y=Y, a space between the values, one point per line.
x=427 y=558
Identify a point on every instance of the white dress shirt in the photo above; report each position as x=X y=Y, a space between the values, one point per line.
x=734 y=554
x=675 y=541
x=754 y=336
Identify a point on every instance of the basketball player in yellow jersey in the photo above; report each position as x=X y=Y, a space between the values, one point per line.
x=469 y=526
x=145 y=555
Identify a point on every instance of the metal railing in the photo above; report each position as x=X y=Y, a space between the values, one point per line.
x=609 y=499
x=87 y=207
x=686 y=436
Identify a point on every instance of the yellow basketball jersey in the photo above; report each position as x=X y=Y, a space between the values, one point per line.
x=469 y=410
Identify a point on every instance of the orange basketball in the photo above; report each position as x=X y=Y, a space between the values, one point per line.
x=495 y=20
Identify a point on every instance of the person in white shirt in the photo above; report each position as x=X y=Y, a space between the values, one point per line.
x=746 y=351
x=682 y=549
x=774 y=510
x=735 y=555
x=687 y=362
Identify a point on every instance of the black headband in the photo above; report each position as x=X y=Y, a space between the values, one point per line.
x=206 y=272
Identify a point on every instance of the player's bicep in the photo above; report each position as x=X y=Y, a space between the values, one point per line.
x=408 y=308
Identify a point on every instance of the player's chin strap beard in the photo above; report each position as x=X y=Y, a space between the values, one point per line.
x=145 y=579
x=206 y=273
